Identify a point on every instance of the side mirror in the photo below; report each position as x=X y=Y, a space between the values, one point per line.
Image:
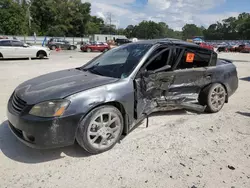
x=25 y=45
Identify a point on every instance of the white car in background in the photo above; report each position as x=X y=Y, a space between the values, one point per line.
x=10 y=48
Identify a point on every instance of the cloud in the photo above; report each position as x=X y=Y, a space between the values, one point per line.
x=176 y=13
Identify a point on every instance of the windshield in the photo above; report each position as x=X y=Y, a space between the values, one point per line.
x=118 y=62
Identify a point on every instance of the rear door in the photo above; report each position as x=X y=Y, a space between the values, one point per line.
x=190 y=74
x=181 y=83
x=66 y=44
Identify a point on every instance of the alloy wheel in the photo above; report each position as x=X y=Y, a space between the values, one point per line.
x=104 y=130
x=218 y=97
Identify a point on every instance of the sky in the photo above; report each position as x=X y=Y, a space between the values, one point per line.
x=176 y=13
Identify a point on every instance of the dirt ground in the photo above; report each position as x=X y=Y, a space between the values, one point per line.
x=179 y=149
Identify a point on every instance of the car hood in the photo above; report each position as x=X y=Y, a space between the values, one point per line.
x=58 y=85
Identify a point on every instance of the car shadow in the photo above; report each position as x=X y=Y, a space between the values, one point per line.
x=244 y=61
x=17 y=59
x=246 y=79
x=244 y=113
x=12 y=148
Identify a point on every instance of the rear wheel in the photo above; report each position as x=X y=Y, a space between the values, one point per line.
x=1 y=56
x=214 y=97
x=72 y=48
x=100 y=130
x=53 y=47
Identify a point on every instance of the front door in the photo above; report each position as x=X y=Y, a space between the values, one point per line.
x=150 y=83
x=19 y=50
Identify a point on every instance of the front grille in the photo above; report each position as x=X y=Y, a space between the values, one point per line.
x=18 y=104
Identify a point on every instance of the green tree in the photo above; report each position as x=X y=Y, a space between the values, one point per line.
x=60 y=17
x=94 y=25
x=12 y=18
x=129 y=31
x=191 y=30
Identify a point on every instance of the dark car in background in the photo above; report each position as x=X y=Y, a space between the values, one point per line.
x=55 y=43
x=120 y=41
x=110 y=95
x=224 y=48
x=95 y=47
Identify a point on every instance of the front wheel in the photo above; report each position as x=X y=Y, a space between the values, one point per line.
x=89 y=50
x=72 y=48
x=100 y=130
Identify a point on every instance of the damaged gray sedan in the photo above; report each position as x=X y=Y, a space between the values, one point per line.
x=106 y=98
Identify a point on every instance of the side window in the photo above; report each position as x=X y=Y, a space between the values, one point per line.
x=17 y=43
x=194 y=59
x=5 y=43
x=160 y=61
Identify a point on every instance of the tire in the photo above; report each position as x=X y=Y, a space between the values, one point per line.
x=1 y=56
x=72 y=48
x=105 y=50
x=90 y=134
x=53 y=47
x=41 y=54
x=214 y=97
x=89 y=50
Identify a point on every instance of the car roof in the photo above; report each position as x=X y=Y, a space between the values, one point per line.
x=5 y=40
x=169 y=41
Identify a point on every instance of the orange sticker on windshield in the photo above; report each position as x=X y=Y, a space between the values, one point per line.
x=190 y=58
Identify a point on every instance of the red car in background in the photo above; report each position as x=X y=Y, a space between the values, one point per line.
x=243 y=48
x=205 y=45
x=95 y=47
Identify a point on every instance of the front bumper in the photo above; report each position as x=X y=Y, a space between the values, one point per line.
x=43 y=133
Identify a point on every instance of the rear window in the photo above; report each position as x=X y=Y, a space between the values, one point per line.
x=17 y=43
x=194 y=59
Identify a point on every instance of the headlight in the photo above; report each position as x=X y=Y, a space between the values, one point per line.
x=53 y=108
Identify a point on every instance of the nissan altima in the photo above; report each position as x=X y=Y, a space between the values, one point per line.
x=98 y=102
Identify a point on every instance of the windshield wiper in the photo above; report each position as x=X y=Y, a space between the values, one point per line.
x=95 y=71
x=92 y=69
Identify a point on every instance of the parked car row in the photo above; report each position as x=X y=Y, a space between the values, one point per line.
x=243 y=48
x=14 y=48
